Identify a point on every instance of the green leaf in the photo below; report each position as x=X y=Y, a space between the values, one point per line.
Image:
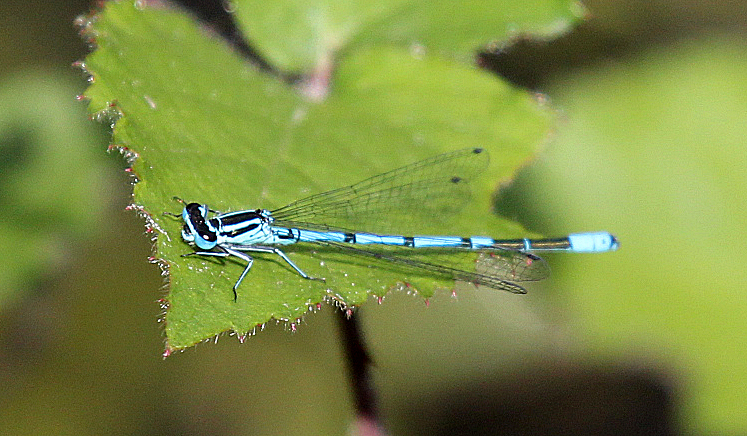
x=208 y=127
x=298 y=35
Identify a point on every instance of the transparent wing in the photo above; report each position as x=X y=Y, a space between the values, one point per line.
x=496 y=269
x=435 y=189
x=512 y=265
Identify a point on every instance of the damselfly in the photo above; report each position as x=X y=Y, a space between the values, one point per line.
x=375 y=211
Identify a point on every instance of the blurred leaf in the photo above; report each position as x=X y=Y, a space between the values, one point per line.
x=49 y=176
x=657 y=147
x=209 y=128
x=298 y=35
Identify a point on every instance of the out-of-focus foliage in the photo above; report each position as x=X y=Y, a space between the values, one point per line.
x=50 y=177
x=654 y=149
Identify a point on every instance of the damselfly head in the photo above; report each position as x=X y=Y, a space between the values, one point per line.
x=196 y=228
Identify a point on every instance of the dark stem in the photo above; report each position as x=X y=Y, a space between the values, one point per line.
x=214 y=14
x=359 y=367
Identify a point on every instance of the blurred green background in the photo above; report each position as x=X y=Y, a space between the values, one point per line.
x=649 y=340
